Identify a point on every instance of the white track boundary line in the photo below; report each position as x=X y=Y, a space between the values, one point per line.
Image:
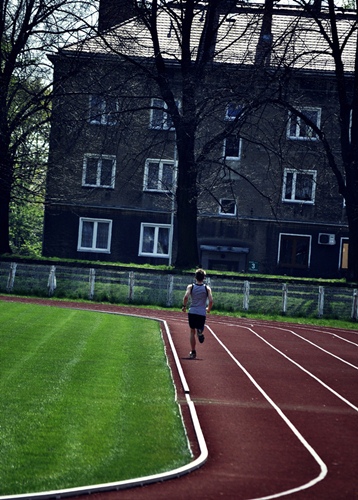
x=139 y=481
x=317 y=458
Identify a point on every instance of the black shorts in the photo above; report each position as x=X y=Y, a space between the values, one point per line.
x=196 y=321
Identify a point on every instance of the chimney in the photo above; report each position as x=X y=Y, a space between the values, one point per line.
x=114 y=12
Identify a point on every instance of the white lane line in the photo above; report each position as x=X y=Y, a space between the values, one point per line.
x=306 y=327
x=334 y=335
x=316 y=457
x=355 y=408
x=315 y=345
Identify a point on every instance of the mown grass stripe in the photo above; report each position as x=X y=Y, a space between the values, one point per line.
x=85 y=398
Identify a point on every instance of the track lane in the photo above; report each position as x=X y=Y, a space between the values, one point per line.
x=329 y=424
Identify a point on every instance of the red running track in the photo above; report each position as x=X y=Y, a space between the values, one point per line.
x=278 y=406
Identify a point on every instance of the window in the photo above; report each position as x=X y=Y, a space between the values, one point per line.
x=103 y=110
x=94 y=235
x=99 y=171
x=294 y=251
x=154 y=240
x=159 y=175
x=233 y=110
x=227 y=207
x=232 y=147
x=299 y=186
x=159 y=118
x=298 y=128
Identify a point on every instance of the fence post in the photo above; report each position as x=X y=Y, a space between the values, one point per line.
x=92 y=280
x=284 y=298
x=11 y=277
x=355 y=305
x=320 y=301
x=51 y=283
x=170 y=290
x=130 y=286
x=246 y=299
x=208 y=282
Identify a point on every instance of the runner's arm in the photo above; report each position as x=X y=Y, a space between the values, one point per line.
x=210 y=297
x=186 y=297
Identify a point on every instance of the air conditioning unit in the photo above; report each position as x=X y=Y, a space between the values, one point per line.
x=326 y=239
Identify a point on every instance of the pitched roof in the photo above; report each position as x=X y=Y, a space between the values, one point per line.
x=297 y=40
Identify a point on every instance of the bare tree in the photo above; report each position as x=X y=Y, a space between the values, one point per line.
x=28 y=30
x=180 y=66
x=337 y=43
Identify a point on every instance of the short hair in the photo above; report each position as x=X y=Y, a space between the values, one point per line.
x=200 y=274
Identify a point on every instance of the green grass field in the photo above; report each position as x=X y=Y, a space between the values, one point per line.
x=85 y=398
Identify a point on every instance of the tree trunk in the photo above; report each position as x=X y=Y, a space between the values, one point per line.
x=4 y=218
x=353 y=252
x=352 y=215
x=186 y=197
x=5 y=193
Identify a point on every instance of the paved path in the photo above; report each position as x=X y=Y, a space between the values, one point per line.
x=278 y=406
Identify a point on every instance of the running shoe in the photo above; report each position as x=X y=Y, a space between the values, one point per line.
x=192 y=354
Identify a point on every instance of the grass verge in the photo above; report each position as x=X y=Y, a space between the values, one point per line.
x=85 y=398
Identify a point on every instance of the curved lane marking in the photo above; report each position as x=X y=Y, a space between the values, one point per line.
x=317 y=346
x=355 y=408
x=139 y=481
x=317 y=458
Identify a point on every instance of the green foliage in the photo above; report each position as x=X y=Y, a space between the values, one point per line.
x=77 y=406
x=26 y=227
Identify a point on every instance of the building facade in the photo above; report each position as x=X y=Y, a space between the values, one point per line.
x=267 y=200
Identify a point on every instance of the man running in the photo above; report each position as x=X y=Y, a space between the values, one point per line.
x=200 y=295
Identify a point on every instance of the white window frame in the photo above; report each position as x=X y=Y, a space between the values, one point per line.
x=227 y=214
x=155 y=243
x=93 y=247
x=165 y=122
x=236 y=105
x=105 y=116
x=160 y=187
x=310 y=136
x=233 y=158
x=99 y=159
x=296 y=172
x=295 y=235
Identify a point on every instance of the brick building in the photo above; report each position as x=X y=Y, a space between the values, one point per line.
x=267 y=201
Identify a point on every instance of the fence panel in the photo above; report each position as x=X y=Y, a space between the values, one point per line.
x=266 y=298
x=30 y=279
x=4 y=275
x=111 y=286
x=72 y=282
x=150 y=289
x=146 y=288
x=302 y=300
x=228 y=294
x=338 y=303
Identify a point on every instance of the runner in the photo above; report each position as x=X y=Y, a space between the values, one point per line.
x=200 y=295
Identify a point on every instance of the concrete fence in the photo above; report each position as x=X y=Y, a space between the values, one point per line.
x=154 y=288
